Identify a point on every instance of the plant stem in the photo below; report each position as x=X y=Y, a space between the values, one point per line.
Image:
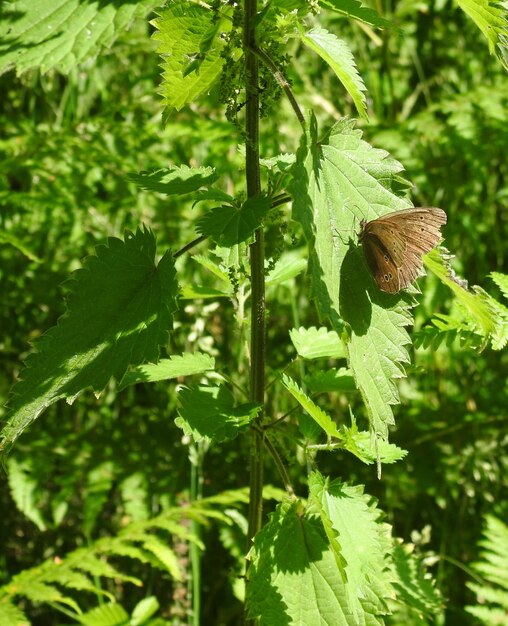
x=283 y=83
x=257 y=254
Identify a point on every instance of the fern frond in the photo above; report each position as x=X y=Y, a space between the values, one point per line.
x=492 y=595
x=148 y=542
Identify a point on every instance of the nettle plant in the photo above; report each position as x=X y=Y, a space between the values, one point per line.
x=329 y=557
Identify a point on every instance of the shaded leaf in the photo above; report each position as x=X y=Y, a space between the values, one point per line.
x=229 y=226
x=176 y=180
x=210 y=413
x=119 y=313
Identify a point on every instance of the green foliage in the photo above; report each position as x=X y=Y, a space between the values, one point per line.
x=190 y=39
x=491 y=19
x=302 y=545
x=476 y=317
x=336 y=182
x=210 y=412
x=110 y=493
x=492 y=590
x=120 y=309
x=59 y=34
x=82 y=570
x=338 y=56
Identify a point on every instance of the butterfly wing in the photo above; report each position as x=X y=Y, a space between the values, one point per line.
x=394 y=245
x=384 y=249
x=419 y=226
x=381 y=265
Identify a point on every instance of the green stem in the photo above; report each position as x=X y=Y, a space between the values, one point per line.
x=257 y=258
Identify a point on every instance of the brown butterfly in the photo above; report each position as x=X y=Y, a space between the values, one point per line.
x=394 y=245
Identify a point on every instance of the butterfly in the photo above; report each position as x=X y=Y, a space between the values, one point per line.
x=395 y=243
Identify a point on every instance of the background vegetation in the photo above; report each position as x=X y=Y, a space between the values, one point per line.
x=76 y=128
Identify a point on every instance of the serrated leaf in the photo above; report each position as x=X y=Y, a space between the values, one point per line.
x=486 y=313
x=281 y=162
x=317 y=343
x=175 y=180
x=60 y=34
x=491 y=566
x=214 y=268
x=361 y=444
x=188 y=32
x=355 y=9
x=229 y=226
x=119 y=313
x=491 y=17
x=336 y=183
x=364 y=543
x=166 y=369
x=339 y=57
x=210 y=413
x=318 y=415
x=216 y=195
x=294 y=576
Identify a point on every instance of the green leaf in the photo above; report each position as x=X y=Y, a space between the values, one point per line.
x=361 y=444
x=317 y=343
x=339 y=57
x=364 y=543
x=501 y=281
x=10 y=615
x=492 y=567
x=287 y=267
x=19 y=245
x=166 y=369
x=295 y=576
x=355 y=10
x=491 y=17
x=281 y=162
x=318 y=415
x=119 y=313
x=23 y=489
x=482 y=314
x=176 y=180
x=60 y=34
x=331 y=380
x=336 y=183
x=167 y=557
x=107 y=615
x=210 y=413
x=416 y=590
x=229 y=226
x=99 y=481
x=144 y=610
x=189 y=32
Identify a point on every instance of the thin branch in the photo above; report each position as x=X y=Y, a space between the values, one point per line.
x=283 y=83
x=189 y=246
